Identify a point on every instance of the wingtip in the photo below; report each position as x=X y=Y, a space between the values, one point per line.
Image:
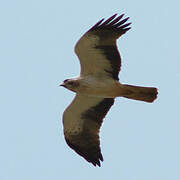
x=97 y=163
x=122 y=14
x=114 y=21
x=127 y=29
x=108 y=20
x=96 y=25
x=114 y=15
x=125 y=25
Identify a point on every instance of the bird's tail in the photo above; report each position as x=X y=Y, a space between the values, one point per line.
x=147 y=94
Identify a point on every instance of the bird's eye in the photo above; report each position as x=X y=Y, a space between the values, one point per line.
x=66 y=80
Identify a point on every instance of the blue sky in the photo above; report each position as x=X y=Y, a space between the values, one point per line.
x=138 y=140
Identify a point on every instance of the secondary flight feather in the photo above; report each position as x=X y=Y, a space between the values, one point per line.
x=97 y=87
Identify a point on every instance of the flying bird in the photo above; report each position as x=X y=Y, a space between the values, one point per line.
x=97 y=87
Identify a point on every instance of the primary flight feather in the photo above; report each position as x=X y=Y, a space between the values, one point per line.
x=97 y=87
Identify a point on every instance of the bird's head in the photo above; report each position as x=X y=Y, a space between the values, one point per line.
x=70 y=84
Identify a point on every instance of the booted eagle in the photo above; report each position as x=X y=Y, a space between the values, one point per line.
x=97 y=87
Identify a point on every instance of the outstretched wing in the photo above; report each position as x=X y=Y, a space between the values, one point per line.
x=82 y=121
x=97 y=50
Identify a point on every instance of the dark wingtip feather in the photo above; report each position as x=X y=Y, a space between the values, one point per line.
x=96 y=25
x=97 y=161
x=101 y=157
x=125 y=25
x=127 y=29
x=114 y=23
x=108 y=20
x=116 y=20
x=121 y=22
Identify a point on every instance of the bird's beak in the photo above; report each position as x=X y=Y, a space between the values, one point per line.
x=62 y=85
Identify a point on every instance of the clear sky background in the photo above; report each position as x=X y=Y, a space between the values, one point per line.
x=139 y=141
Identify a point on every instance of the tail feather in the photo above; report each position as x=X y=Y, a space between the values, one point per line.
x=147 y=94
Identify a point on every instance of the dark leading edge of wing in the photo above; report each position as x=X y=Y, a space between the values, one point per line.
x=111 y=29
x=87 y=144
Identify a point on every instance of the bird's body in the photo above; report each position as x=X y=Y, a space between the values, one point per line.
x=97 y=86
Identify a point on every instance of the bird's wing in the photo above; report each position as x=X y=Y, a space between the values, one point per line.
x=97 y=50
x=82 y=121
